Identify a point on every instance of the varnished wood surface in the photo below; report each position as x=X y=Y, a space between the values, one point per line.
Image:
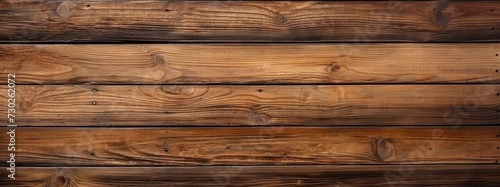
x=251 y=63
x=249 y=21
x=335 y=176
x=73 y=146
x=214 y=105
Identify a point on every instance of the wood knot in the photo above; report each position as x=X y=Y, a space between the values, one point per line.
x=172 y=89
x=64 y=9
x=258 y=119
x=280 y=19
x=58 y=181
x=25 y=105
x=383 y=149
x=336 y=68
x=158 y=59
x=439 y=17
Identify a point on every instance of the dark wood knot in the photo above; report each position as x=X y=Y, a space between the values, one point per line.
x=336 y=68
x=158 y=59
x=64 y=9
x=280 y=19
x=383 y=149
x=172 y=89
x=439 y=17
x=58 y=180
x=258 y=119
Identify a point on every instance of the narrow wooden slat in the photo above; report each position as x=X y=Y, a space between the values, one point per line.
x=403 y=175
x=214 y=105
x=252 y=63
x=260 y=21
x=74 y=146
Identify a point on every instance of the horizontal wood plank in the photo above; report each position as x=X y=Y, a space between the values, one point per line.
x=251 y=63
x=51 y=146
x=214 y=105
x=403 y=175
x=249 y=21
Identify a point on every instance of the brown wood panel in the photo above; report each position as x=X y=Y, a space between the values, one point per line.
x=402 y=175
x=251 y=63
x=75 y=146
x=249 y=21
x=214 y=105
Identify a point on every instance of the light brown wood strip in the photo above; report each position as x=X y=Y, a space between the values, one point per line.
x=249 y=21
x=212 y=105
x=402 y=175
x=251 y=64
x=50 y=146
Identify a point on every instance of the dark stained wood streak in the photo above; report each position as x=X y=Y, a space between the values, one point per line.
x=251 y=63
x=336 y=176
x=249 y=21
x=217 y=105
x=163 y=146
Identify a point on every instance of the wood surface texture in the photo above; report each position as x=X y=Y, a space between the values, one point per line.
x=222 y=105
x=251 y=63
x=249 y=21
x=250 y=93
x=333 y=176
x=204 y=146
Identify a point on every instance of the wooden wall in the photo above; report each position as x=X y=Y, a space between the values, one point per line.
x=252 y=93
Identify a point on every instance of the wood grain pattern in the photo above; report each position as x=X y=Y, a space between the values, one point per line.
x=251 y=63
x=213 y=105
x=334 y=176
x=248 y=21
x=74 y=146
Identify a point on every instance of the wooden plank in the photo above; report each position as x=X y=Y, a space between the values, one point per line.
x=249 y=21
x=217 y=105
x=251 y=63
x=403 y=175
x=50 y=146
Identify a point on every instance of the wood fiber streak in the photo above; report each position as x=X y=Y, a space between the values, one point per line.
x=334 y=176
x=251 y=63
x=249 y=21
x=213 y=105
x=74 y=146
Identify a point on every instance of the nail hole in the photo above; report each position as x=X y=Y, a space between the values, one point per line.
x=496 y=70
x=498 y=135
x=430 y=149
x=498 y=94
x=492 y=28
x=492 y=10
x=284 y=155
x=92 y=154
x=94 y=103
x=260 y=90
x=498 y=147
x=496 y=161
x=497 y=111
x=496 y=54
x=89 y=6
x=167 y=10
x=228 y=147
x=94 y=90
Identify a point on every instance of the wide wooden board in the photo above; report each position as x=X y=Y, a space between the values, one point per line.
x=74 y=146
x=217 y=105
x=335 y=176
x=249 y=21
x=251 y=63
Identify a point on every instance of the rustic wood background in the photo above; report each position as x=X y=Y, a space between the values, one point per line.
x=252 y=93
